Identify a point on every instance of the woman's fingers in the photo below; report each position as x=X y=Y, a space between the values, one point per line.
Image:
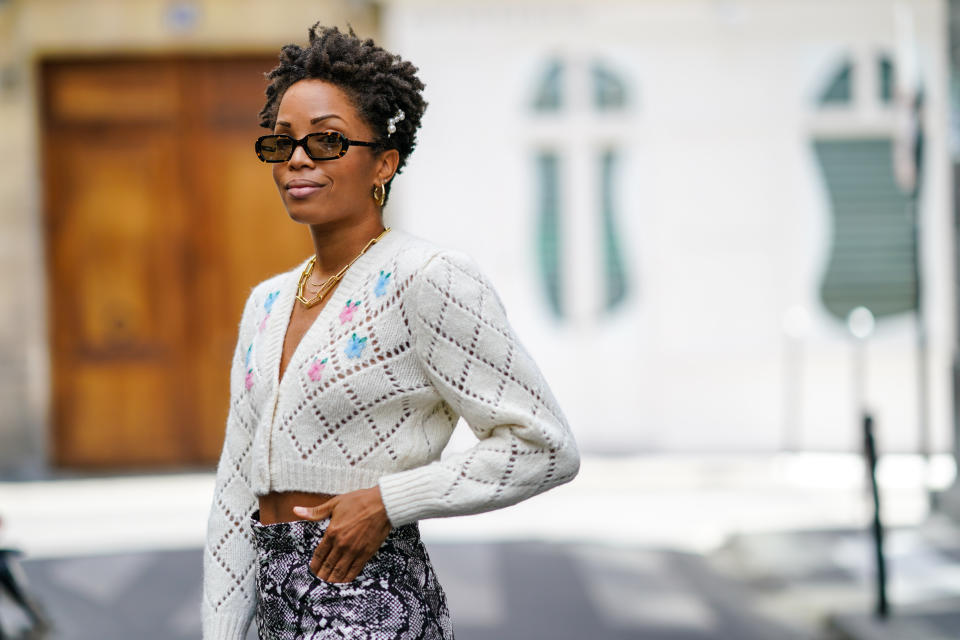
x=319 y=559
x=341 y=557
x=333 y=560
x=358 y=526
x=328 y=565
x=341 y=569
x=318 y=512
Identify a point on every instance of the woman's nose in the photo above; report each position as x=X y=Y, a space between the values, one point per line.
x=299 y=158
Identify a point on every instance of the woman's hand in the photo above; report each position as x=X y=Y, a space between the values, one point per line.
x=358 y=526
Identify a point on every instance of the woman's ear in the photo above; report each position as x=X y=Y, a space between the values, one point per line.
x=387 y=165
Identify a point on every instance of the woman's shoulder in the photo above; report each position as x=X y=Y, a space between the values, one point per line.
x=275 y=281
x=412 y=251
x=443 y=272
x=423 y=255
x=262 y=294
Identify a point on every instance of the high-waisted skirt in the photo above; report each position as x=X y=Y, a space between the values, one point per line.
x=396 y=596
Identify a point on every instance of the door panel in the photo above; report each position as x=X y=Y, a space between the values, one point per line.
x=252 y=232
x=159 y=220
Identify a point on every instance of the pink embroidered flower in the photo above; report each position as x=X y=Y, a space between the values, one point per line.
x=263 y=323
x=317 y=369
x=347 y=313
x=249 y=380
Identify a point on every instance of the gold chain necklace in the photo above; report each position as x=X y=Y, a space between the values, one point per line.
x=332 y=280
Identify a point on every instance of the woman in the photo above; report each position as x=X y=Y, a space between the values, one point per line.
x=351 y=371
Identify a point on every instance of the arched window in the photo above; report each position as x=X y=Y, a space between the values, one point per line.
x=873 y=252
x=554 y=97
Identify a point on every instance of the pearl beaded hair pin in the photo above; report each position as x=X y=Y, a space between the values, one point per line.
x=392 y=122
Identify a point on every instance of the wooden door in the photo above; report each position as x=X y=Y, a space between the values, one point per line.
x=159 y=219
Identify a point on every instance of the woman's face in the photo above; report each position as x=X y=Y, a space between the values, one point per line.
x=328 y=191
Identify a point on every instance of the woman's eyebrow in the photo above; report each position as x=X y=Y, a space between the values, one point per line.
x=281 y=123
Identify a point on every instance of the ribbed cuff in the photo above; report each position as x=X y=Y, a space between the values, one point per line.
x=410 y=495
x=226 y=627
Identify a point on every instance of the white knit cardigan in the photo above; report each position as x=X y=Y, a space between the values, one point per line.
x=412 y=338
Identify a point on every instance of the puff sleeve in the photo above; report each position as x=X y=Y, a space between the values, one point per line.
x=476 y=363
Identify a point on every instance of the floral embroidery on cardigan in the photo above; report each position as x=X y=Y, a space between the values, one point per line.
x=317 y=369
x=380 y=287
x=268 y=305
x=271 y=298
x=248 y=380
x=346 y=314
x=355 y=347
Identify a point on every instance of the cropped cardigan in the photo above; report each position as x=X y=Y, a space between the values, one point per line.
x=413 y=338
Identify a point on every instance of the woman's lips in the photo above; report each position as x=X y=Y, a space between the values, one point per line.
x=303 y=188
x=304 y=191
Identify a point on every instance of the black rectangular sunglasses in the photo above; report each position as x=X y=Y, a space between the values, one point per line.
x=328 y=145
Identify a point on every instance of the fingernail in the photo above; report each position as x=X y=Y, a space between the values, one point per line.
x=300 y=510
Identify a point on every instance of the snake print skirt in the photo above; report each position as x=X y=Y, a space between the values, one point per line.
x=395 y=597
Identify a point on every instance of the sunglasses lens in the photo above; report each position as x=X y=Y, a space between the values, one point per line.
x=275 y=148
x=323 y=146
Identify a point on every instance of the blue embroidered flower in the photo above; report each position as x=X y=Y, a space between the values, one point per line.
x=271 y=298
x=381 y=287
x=246 y=362
x=355 y=347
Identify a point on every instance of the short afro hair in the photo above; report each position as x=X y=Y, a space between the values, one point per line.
x=376 y=81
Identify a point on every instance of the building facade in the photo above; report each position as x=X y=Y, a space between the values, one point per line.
x=680 y=201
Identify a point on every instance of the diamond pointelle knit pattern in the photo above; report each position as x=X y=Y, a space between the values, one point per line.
x=413 y=338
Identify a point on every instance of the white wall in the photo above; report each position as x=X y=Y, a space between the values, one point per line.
x=723 y=213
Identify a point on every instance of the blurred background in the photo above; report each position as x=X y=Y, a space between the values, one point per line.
x=725 y=229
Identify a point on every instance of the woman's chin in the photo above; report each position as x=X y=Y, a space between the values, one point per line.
x=306 y=216
x=299 y=216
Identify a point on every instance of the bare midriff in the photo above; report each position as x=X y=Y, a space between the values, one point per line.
x=277 y=506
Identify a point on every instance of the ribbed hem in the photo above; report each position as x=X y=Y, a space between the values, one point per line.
x=226 y=627
x=411 y=495
x=302 y=475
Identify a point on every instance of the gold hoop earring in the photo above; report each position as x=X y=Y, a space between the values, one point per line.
x=382 y=196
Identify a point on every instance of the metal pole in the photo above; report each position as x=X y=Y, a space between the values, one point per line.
x=870 y=449
x=923 y=444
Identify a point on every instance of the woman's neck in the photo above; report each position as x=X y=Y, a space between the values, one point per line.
x=336 y=246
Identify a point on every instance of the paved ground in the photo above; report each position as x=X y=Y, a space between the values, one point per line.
x=508 y=590
x=789 y=585
x=825 y=581
x=652 y=548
